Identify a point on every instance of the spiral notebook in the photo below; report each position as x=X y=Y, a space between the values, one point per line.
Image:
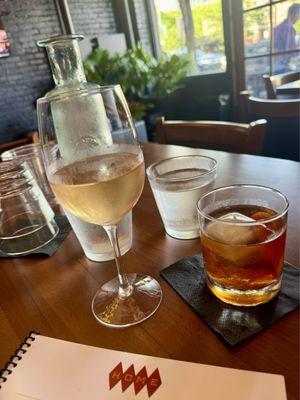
x=49 y=369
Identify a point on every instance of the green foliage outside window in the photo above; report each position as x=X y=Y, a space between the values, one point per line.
x=169 y=27
x=208 y=27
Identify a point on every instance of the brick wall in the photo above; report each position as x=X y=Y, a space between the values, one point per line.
x=92 y=17
x=100 y=17
x=24 y=75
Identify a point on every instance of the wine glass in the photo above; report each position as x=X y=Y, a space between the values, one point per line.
x=95 y=167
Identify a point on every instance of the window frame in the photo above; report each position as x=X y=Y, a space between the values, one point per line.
x=153 y=27
x=271 y=53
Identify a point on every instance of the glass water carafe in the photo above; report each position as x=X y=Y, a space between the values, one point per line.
x=77 y=119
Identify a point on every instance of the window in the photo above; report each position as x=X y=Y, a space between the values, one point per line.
x=271 y=40
x=195 y=28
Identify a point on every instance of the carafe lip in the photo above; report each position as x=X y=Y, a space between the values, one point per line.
x=59 y=38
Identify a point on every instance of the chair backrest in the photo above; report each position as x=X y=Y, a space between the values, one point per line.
x=30 y=137
x=11 y=145
x=272 y=82
x=255 y=106
x=216 y=135
x=282 y=134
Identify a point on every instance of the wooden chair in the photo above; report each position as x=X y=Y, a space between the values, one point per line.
x=30 y=137
x=277 y=108
x=216 y=135
x=33 y=136
x=282 y=134
x=272 y=82
x=15 y=143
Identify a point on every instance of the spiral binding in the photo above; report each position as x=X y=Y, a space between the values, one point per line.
x=17 y=356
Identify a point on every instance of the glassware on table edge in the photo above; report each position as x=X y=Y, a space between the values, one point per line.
x=243 y=232
x=32 y=154
x=26 y=220
x=96 y=171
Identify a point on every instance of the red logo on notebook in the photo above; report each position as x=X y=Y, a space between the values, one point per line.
x=139 y=380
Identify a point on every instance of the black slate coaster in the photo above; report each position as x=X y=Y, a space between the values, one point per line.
x=51 y=247
x=234 y=324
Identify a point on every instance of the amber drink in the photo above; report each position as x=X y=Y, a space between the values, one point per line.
x=243 y=231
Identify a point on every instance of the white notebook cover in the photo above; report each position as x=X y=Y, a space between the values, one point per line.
x=55 y=369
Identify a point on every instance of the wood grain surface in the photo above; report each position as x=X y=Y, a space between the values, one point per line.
x=53 y=295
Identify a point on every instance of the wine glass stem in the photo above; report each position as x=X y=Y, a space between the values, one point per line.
x=125 y=289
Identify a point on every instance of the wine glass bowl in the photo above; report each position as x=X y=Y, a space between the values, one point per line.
x=96 y=169
x=101 y=189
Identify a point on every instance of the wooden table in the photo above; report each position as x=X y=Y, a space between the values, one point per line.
x=291 y=88
x=54 y=294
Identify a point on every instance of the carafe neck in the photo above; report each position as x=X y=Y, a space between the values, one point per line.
x=65 y=60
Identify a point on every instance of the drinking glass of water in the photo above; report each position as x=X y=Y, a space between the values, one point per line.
x=94 y=240
x=177 y=184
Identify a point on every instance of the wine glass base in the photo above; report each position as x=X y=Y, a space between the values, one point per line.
x=111 y=310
